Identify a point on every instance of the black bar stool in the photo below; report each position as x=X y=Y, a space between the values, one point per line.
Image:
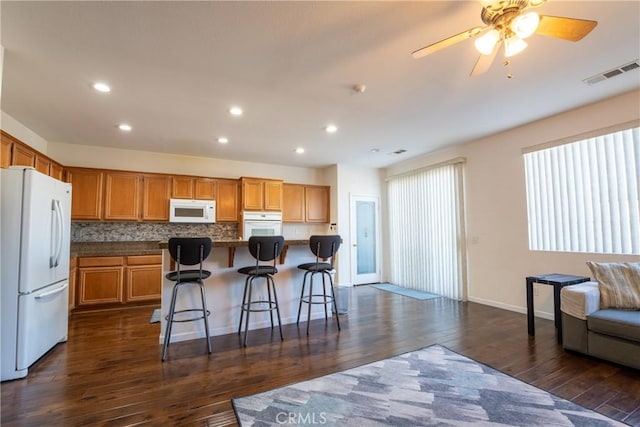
x=324 y=248
x=262 y=248
x=187 y=251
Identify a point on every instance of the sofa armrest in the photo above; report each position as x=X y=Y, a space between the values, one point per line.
x=580 y=300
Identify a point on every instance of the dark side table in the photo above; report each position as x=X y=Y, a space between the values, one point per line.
x=558 y=281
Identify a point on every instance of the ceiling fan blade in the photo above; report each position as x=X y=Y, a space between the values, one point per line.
x=484 y=61
x=472 y=32
x=565 y=28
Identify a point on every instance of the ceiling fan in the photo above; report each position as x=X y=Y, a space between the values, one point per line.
x=509 y=22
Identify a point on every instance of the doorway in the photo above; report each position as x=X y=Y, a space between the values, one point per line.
x=365 y=239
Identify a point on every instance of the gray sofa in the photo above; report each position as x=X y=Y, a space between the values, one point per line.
x=610 y=334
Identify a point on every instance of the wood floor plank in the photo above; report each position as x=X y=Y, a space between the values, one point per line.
x=109 y=372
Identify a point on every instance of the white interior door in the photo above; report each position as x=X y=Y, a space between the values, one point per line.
x=365 y=239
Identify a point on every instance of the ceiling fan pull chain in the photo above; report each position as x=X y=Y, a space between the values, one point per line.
x=507 y=64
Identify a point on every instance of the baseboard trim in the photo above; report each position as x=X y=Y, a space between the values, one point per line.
x=516 y=308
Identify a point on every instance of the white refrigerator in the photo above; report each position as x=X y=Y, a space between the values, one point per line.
x=34 y=290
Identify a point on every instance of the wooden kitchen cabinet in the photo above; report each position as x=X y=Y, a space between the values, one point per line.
x=104 y=281
x=56 y=171
x=252 y=194
x=191 y=187
x=5 y=154
x=261 y=194
x=86 y=193
x=226 y=200
x=306 y=203
x=156 y=195
x=122 y=196
x=143 y=278
x=100 y=280
x=182 y=187
x=204 y=188
x=316 y=204
x=23 y=156
x=293 y=203
x=42 y=164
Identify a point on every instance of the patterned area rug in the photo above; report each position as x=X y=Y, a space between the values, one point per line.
x=432 y=386
x=412 y=293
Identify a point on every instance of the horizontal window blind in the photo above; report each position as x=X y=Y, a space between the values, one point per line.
x=425 y=228
x=583 y=196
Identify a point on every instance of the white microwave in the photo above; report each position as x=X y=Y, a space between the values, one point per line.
x=192 y=211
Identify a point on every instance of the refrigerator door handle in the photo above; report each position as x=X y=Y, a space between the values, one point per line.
x=54 y=233
x=60 y=232
x=53 y=292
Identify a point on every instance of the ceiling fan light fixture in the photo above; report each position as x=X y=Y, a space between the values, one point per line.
x=513 y=46
x=487 y=42
x=525 y=25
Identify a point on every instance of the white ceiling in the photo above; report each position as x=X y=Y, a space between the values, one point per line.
x=176 y=67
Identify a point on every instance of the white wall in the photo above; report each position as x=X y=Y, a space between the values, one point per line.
x=24 y=134
x=499 y=258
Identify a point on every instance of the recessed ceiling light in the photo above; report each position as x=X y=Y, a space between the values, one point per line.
x=223 y=140
x=299 y=150
x=375 y=150
x=101 y=87
x=124 y=127
x=235 y=111
x=331 y=128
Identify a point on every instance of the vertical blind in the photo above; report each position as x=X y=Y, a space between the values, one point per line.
x=425 y=229
x=583 y=196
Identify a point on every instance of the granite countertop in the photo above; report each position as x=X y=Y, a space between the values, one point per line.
x=82 y=249
x=114 y=248
x=240 y=243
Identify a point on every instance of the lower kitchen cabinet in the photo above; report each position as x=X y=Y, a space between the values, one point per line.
x=100 y=280
x=143 y=278
x=109 y=280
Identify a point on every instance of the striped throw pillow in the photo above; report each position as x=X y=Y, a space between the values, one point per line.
x=619 y=284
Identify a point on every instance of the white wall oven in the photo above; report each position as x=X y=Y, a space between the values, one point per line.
x=261 y=224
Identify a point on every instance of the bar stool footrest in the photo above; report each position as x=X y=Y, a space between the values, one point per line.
x=326 y=299
x=247 y=306
x=185 y=311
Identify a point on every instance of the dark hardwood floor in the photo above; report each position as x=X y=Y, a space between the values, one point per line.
x=109 y=372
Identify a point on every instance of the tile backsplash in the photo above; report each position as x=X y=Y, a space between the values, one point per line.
x=148 y=231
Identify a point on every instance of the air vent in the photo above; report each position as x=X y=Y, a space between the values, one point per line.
x=401 y=151
x=613 y=72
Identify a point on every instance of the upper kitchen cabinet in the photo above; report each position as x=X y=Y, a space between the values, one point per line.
x=205 y=189
x=305 y=203
x=191 y=187
x=226 y=200
x=86 y=193
x=56 y=171
x=293 y=203
x=21 y=155
x=42 y=164
x=261 y=194
x=316 y=203
x=122 y=196
x=182 y=187
x=16 y=153
x=156 y=195
x=5 y=154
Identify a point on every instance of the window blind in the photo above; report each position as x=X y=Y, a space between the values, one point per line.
x=425 y=229
x=583 y=196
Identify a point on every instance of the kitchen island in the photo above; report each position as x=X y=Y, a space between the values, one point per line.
x=225 y=287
